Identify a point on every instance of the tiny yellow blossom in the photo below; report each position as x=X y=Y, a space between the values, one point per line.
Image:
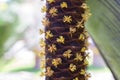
x=53 y=12
x=72 y=30
x=82 y=37
x=76 y=78
x=63 y=5
x=61 y=39
x=42 y=74
x=88 y=75
x=82 y=72
x=86 y=15
x=56 y=62
x=45 y=22
x=83 y=49
x=86 y=62
x=72 y=67
x=41 y=53
x=67 y=53
x=52 y=48
x=51 y=1
x=67 y=19
x=48 y=34
x=42 y=64
x=44 y=9
x=49 y=71
x=79 y=24
x=84 y=5
x=41 y=31
x=86 y=33
x=78 y=57
x=42 y=43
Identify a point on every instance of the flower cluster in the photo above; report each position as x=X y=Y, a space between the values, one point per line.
x=52 y=48
x=72 y=67
x=49 y=71
x=56 y=61
x=67 y=53
x=61 y=39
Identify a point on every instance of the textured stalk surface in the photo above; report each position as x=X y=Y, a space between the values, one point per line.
x=66 y=40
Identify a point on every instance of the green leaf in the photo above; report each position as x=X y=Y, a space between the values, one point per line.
x=104 y=27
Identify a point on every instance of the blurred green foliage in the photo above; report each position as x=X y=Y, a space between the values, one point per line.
x=104 y=27
x=8 y=22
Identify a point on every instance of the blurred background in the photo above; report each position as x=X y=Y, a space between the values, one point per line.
x=20 y=21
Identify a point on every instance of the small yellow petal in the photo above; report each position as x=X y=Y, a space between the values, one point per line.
x=51 y=1
x=82 y=72
x=79 y=24
x=45 y=22
x=61 y=39
x=76 y=78
x=52 y=48
x=72 y=30
x=84 y=5
x=49 y=71
x=63 y=5
x=53 y=12
x=86 y=62
x=44 y=9
x=42 y=74
x=41 y=31
x=49 y=34
x=42 y=43
x=86 y=15
x=56 y=62
x=78 y=57
x=67 y=53
x=83 y=49
x=88 y=75
x=67 y=19
x=42 y=64
x=82 y=37
x=72 y=67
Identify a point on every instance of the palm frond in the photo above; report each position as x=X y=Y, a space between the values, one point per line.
x=104 y=27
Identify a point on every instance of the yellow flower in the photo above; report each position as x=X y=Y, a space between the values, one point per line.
x=86 y=15
x=56 y=61
x=51 y=1
x=52 y=48
x=42 y=43
x=53 y=12
x=45 y=22
x=81 y=37
x=49 y=71
x=82 y=72
x=63 y=5
x=88 y=75
x=76 y=78
x=72 y=67
x=79 y=24
x=84 y=5
x=83 y=49
x=67 y=53
x=42 y=74
x=48 y=34
x=78 y=57
x=44 y=9
x=86 y=62
x=42 y=64
x=72 y=30
x=41 y=31
x=61 y=39
x=67 y=19
x=86 y=33
x=41 y=53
